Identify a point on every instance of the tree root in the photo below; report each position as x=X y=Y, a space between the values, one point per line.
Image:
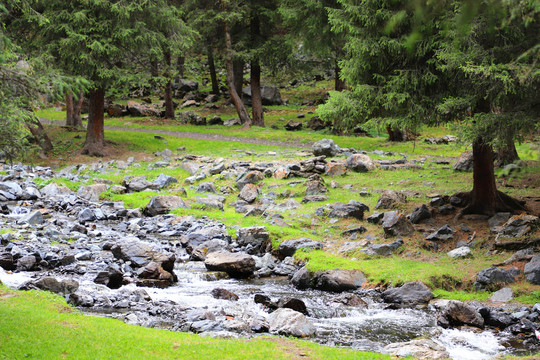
x=503 y=203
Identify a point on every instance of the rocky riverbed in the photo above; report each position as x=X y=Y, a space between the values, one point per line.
x=154 y=269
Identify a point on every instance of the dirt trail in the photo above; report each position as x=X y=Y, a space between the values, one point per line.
x=200 y=136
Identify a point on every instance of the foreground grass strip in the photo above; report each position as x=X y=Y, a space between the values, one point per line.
x=39 y=325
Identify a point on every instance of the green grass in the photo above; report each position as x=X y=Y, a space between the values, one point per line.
x=39 y=325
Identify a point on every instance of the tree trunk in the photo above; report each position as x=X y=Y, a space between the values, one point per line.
x=169 y=106
x=180 y=66
x=38 y=132
x=213 y=74
x=507 y=154
x=237 y=100
x=484 y=197
x=77 y=121
x=255 y=77
x=238 y=71
x=95 y=136
x=339 y=85
x=69 y=109
x=394 y=134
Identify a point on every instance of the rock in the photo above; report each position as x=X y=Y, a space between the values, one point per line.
x=256 y=237
x=53 y=190
x=293 y=125
x=215 y=120
x=461 y=253
x=360 y=163
x=224 y=294
x=532 y=270
x=442 y=234
x=163 y=181
x=301 y=279
x=382 y=249
x=314 y=198
x=410 y=293
x=249 y=193
x=492 y=278
x=155 y=272
x=116 y=110
x=195 y=119
x=294 y=304
x=206 y=187
x=270 y=95
x=336 y=168
x=140 y=253
x=64 y=287
x=421 y=349
x=316 y=123
x=252 y=177
x=446 y=209
x=86 y=215
x=82 y=300
x=498 y=219
x=457 y=313
x=232 y=122
x=287 y=267
x=92 y=192
x=375 y=218
x=234 y=264
x=289 y=247
x=288 y=322
x=111 y=277
x=519 y=225
x=212 y=201
x=419 y=214
x=315 y=187
x=395 y=223
x=138 y=183
x=465 y=162
x=7 y=262
x=338 y=280
x=351 y=210
x=34 y=218
x=503 y=295
x=26 y=263
x=136 y=109
x=162 y=204
x=496 y=319
x=389 y=198
x=199 y=252
x=282 y=173
x=325 y=147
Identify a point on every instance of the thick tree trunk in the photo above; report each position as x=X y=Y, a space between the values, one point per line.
x=180 y=66
x=238 y=73
x=69 y=109
x=77 y=121
x=484 y=197
x=237 y=100
x=394 y=134
x=212 y=67
x=507 y=154
x=339 y=85
x=169 y=106
x=256 y=96
x=95 y=135
x=38 y=132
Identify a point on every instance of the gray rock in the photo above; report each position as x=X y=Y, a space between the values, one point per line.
x=315 y=187
x=257 y=237
x=269 y=93
x=360 y=163
x=232 y=122
x=457 y=313
x=53 y=190
x=190 y=167
x=498 y=219
x=140 y=253
x=224 y=294
x=465 y=162
x=410 y=293
x=382 y=249
x=139 y=183
x=11 y=190
x=34 y=218
x=164 y=181
x=460 y=253
x=301 y=279
x=325 y=147
x=26 y=263
x=92 y=192
x=200 y=251
x=519 y=225
x=389 y=198
x=249 y=193
x=351 y=210
x=532 y=270
x=162 y=204
x=493 y=277
x=208 y=187
x=338 y=280
x=234 y=264
x=252 y=177
x=421 y=349
x=288 y=322
x=293 y=125
x=442 y=234
x=287 y=267
x=65 y=287
x=215 y=202
x=419 y=214
x=395 y=223
x=86 y=215
x=503 y=295
x=289 y=247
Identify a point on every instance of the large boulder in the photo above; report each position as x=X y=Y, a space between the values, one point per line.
x=140 y=253
x=389 y=198
x=199 y=252
x=360 y=163
x=288 y=322
x=136 y=109
x=289 y=247
x=293 y=125
x=256 y=238
x=383 y=249
x=325 y=147
x=249 y=193
x=492 y=278
x=421 y=349
x=395 y=223
x=92 y=192
x=162 y=204
x=270 y=95
x=410 y=293
x=338 y=280
x=457 y=313
x=419 y=214
x=48 y=283
x=252 y=177
x=532 y=270
x=351 y=210
x=465 y=162
x=234 y=264
x=519 y=225
x=316 y=123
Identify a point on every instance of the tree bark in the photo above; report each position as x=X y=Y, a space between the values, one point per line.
x=169 y=106
x=339 y=85
x=212 y=67
x=484 y=197
x=69 y=109
x=180 y=66
x=255 y=77
x=95 y=135
x=77 y=121
x=237 y=100
x=394 y=134
x=238 y=71
x=507 y=154
x=38 y=132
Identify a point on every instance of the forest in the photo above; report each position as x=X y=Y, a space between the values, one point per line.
x=362 y=174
